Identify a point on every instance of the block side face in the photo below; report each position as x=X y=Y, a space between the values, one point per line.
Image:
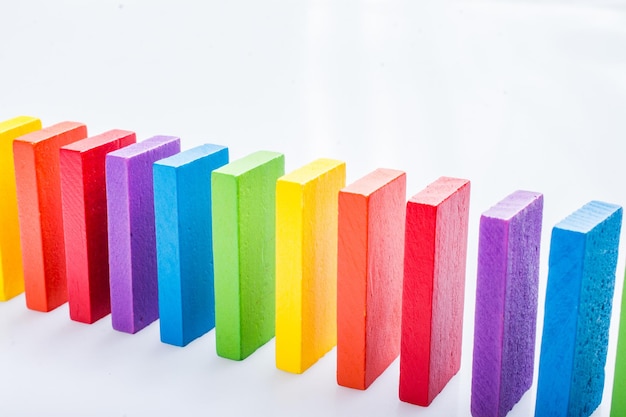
x=11 y=264
x=520 y=317
x=257 y=252
x=168 y=254
x=142 y=229
x=449 y=287
x=319 y=271
x=386 y=220
x=226 y=263
x=618 y=401
x=352 y=254
x=489 y=322
x=289 y=259
x=75 y=230
x=594 y=315
x=118 y=223
x=565 y=269
x=196 y=243
x=417 y=299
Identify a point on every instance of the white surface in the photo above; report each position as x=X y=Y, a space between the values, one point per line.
x=510 y=94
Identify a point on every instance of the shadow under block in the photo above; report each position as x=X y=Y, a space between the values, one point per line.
x=132 y=240
x=37 y=175
x=11 y=266
x=83 y=187
x=581 y=280
x=506 y=303
x=618 y=403
x=244 y=252
x=306 y=263
x=369 y=276
x=182 y=211
x=433 y=288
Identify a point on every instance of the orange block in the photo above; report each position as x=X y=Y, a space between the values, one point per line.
x=369 y=276
x=11 y=269
x=41 y=219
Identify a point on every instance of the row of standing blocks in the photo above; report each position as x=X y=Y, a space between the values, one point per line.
x=146 y=232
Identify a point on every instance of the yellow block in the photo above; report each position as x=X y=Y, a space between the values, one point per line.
x=11 y=268
x=306 y=263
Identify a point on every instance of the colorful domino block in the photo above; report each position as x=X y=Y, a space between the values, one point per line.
x=433 y=289
x=83 y=187
x=182 y=210
x=37 y=175
x=244 y=252
x=306 y=263
x=506 y=303
x=581 y=279
x=618 y=404
x=369 y=276
x=132 y=241
x=11 y=266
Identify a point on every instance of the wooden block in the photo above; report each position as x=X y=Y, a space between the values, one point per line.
x=11 y=266
x=433 y=289
x=618 y=403
x=306 y=263
x=83 y=187
x=244 y=252
x=369 y=276
x=41 y=218
x=506 y=303
x=132 y=241
x=182 y=211
x=581 y=280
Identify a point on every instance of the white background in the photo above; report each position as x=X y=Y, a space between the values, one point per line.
x=509 y=94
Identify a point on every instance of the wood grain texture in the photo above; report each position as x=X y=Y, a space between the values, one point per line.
x=184 y=227
x=506 y=303
x=433 y=288
x=369 y=276
x=244 y=252
x=11 y=264
x=581 y=280
x=306 y=263
x=38 y=179
x=132 y=240
x=83 y=188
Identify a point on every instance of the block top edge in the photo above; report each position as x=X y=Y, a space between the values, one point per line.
x=96 y=141
x=50 y=132
x=588 y=216
x=312 y=170
x=373 y=181
x=439 y=191
x=248 y=162
x=139 y=148
x=15 y=122
x=512 y=204
x=190 y=155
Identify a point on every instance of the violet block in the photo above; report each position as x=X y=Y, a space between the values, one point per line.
x=132 y=241
x=506 y=303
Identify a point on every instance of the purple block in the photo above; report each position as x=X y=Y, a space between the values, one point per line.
x=506 y=303
x=132 y=241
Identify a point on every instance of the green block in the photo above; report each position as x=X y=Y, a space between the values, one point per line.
x=244 y=252
x=618 y=402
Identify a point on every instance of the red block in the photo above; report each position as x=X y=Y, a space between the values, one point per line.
x=369 y=276
x=38 y=183
x=433 y=290
x=83 y=189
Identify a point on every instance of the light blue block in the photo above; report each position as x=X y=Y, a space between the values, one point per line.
x=581 y=279
x=182 y=208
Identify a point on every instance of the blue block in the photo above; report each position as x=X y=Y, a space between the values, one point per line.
x=581 y=279
x=182 y=208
